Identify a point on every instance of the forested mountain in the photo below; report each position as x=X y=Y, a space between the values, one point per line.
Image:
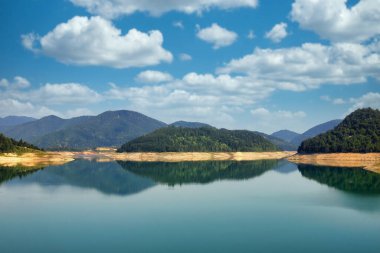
x=8 y=145
x=358 y=132
x=285 y=135
x=314 y=131
x=189 y=124
x=112 y=128
x=205 y=139
x=31 y=131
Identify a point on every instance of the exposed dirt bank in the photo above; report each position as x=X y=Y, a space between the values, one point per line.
x=368 y=161
x=58 y=158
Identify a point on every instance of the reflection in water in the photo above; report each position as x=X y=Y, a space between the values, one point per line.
x=355 y=180
x=173 y=173
x=108 y=178
x=8 y=173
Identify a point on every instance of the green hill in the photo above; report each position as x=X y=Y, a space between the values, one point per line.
x=8 y=145
x=204 y=139
x=359 y=132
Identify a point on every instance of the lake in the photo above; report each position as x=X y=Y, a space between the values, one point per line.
x=225 y=206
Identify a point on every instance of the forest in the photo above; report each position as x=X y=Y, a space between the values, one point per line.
x=359 y=132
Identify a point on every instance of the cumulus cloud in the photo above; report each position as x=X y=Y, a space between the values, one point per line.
x=278 y=33
x=116 y=8
x=309 y=66
x=151 y=76
x=218 y=36
x=335 y=21
x=371 y=99
x=15 y=107
x=18 y=82
x=185 y=57
x=95 y=41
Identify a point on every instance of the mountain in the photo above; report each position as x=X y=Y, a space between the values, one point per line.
x=358 y=132
x=11 y=121
x=189 y=124
x=285 y=135
x=33 y=130
x=282 y=144
x=111 y=128
x=8 y=145
x=204 y=139
x=15 y=120
x=314 y=131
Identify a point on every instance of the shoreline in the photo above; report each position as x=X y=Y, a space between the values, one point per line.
x=59 y=158
x=367 y=161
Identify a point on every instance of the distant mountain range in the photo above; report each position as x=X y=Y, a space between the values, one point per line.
x=359 y=132
x=13 y=121
x=296 y=139
x=114 y=128
x=111 y=128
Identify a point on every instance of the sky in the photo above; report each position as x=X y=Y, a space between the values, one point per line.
x=261 y=65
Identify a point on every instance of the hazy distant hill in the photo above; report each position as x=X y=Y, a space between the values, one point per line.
x=314 y=131
x=112 y=128
x=285 y=135
x=33 y=130
x=358 y=132
x=10 y=121
x=205 y=139
x=282 y=144
x=189 y=124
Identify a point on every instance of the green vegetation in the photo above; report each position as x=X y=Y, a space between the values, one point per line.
x=8 y=173
x=355 y=180
x=204 y=139
x=359 y=132
x=8 y=145
x=179 y=173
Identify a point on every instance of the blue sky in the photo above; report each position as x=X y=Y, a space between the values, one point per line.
x=242 y=64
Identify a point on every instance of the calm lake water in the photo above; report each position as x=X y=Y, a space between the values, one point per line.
x=261 y=206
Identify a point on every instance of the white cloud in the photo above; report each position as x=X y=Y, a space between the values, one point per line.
x=17 y=83
x=95 y=41
x=274 y=120
x=218 y=36
x=335 y=21
x=185 y=57
x=371 y=99
x=116 y=8
x=178 y=24
x=278 y=33
x=15 y=107
x=150 y=76
x=251 y=35
x=309 y=66
x=335 y=101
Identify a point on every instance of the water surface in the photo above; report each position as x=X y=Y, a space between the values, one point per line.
x=225 y=206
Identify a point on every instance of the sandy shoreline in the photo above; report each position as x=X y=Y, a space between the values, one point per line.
x=59 y=158
x=368 y=161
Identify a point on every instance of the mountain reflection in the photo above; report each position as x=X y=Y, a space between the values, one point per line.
x=177 y=173
x=108 y=178
x=355 y=180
